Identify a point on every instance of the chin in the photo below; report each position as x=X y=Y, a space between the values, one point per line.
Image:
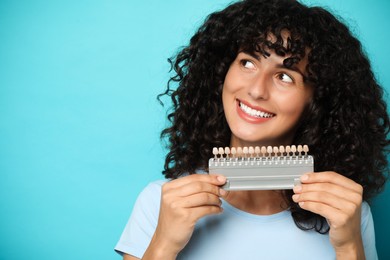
x=249 y=138
x=253 y=139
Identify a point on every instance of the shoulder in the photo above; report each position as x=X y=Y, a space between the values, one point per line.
x=151 y=193
x=142 y=223
x=147 y=207
x=154 y=186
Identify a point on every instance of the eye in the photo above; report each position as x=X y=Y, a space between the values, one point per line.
x=247 y=64
x=285 y=78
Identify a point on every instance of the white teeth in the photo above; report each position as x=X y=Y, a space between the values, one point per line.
x=254 y=112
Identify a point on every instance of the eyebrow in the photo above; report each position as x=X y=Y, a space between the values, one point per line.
x=292 y=68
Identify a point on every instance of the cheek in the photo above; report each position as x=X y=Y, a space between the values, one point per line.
x=228 y=89
x=293 y=105
x=227 y=86
x=232 y=80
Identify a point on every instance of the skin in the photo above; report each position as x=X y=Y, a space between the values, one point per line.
x=264 y=84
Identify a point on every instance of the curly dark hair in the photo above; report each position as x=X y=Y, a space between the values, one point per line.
x=346 y=125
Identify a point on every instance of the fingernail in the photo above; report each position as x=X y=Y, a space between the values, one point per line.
x=221 y=179
x=304 y=177
x=297 y=188
x=295 y=197
x=222 y=192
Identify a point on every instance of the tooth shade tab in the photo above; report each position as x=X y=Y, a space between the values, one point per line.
x=251 y=151
x=221 y=152
x=288 y=150
x=293 y=149
x=269 y=150
x=239 y=151
x=305 y=149
x=263 y=151
x=257 y=151
x=227 y=151
x=233 y=151
x=254 y=153
x=215 y=152
x=245 y=150
x=281 y=149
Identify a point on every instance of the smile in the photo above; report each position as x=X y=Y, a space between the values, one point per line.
x=253 y=112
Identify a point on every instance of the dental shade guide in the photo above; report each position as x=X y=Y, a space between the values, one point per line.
x=265 y=168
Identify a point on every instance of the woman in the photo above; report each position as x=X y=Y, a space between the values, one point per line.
x=259 y=73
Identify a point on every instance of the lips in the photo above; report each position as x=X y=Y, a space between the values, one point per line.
x=253 y=114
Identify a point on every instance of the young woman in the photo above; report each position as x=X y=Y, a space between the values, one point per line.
x=259 y=73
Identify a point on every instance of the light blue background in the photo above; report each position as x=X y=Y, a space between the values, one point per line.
x=79 y=122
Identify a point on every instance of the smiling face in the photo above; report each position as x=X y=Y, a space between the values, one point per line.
x=263 y=100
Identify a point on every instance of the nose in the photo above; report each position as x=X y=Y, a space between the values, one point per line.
x=259 y=88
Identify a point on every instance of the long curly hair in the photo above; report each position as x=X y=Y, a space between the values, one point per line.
x=346 y=125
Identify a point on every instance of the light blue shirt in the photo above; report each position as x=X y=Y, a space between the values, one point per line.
x=236 y=234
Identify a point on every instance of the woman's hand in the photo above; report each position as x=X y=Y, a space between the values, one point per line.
x=183 y=202
x=339 y=200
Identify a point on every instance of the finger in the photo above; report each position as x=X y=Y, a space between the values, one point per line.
x=328 y=212
x=328 y=199
x=331 y=177
x=199 y=187
x=200 y=199
x=210 y=178
x=335 y=217
x=339 y=191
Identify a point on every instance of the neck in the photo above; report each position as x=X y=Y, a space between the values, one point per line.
x=262 y=202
